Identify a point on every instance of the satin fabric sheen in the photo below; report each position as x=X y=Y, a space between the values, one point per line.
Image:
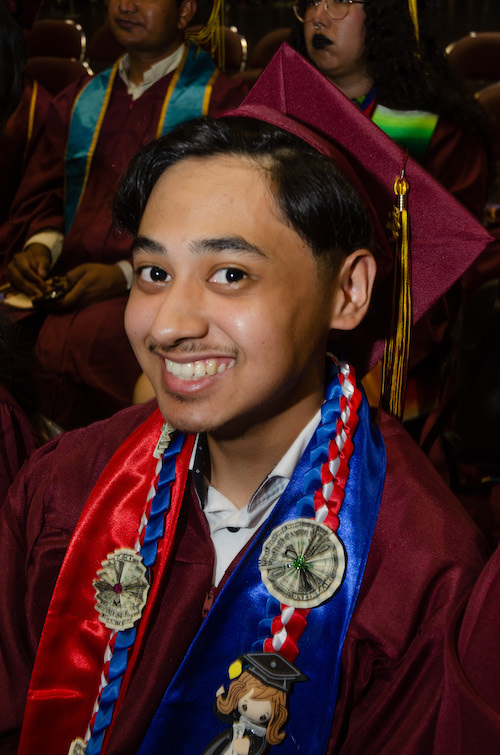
x=232 y=625
x=65 y=677
x=185 y=101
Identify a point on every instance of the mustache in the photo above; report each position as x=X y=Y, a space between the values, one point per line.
x=319 y=41
x=185 y=348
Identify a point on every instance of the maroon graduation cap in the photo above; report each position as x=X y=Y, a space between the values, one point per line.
x=445 y=238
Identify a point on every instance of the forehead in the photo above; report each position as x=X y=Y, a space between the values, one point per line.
x=218 y=196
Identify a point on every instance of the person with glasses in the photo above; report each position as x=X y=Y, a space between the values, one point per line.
x=384 y=56
x=387 y=60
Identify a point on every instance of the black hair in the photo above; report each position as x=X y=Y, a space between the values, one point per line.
x=13 y=54
x=410 y=75
x=312 y=195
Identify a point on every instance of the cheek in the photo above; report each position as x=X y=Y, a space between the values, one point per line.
x=137 y=317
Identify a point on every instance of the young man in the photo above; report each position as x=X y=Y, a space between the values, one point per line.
x=325 y=555
x=64 y=204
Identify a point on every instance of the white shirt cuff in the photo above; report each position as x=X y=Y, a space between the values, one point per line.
x=53 y=240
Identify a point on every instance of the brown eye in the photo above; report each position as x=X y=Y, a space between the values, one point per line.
x=244 y=706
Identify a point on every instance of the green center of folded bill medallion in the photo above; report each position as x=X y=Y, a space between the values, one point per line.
x=302 y=563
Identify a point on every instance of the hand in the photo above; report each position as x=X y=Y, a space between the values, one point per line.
x=93 y=282
x=29 y=269
x=241 y=746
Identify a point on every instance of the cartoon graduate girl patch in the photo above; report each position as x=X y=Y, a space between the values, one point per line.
x=256 y=704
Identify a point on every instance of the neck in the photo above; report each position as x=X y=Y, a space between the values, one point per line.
x=353 y=86
x=238 y=465
x=141 y=61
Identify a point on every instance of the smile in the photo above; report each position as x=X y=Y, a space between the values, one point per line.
x=199 y=369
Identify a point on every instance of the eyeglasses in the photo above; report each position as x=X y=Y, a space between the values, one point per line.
x=336 y=9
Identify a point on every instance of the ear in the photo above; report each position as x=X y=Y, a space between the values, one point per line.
x=354 y=289
x=186 y=12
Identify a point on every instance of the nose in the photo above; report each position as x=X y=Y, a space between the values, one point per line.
x=181 y=315
x=319 y=16
x=126 y=6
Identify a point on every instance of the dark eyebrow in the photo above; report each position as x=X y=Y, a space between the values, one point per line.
x=144 y=244
x=201 y=246
x=226 y=244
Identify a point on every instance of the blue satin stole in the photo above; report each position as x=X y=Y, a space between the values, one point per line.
x=240 y=617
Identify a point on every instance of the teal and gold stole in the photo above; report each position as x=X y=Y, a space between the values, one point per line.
x=187 y=97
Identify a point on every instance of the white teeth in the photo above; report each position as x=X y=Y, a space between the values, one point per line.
x=199 y=369
x=211 y=367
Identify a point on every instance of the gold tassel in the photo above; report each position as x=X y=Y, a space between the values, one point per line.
x=397 y=345
x=412 y=7
x=212 y=34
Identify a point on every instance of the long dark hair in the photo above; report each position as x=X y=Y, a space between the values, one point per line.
x=311 y=193
x=410 y=75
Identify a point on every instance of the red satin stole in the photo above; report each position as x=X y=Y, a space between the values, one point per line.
x=70 y=657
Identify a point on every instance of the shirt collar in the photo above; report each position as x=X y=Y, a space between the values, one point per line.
x=152 y=75
x=283 y=469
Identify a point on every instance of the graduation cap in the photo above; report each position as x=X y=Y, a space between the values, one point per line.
x=272 y=669
x=445 y=238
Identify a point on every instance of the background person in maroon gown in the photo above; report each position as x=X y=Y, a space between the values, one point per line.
x=78 y=379
x=374 y=51
x=17 y=436
x=378 y=55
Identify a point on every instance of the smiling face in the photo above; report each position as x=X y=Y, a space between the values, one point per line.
x=227 y=314
x=150 y=26
x=336 y=47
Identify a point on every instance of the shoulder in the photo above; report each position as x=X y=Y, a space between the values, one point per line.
x=416 y=498
x=426 y=553
x=55 y=483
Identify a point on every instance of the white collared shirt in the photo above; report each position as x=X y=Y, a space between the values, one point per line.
x=231 y=528
x=152 y=75
x=52 y=239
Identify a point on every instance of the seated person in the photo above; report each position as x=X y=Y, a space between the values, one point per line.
x=17 y=436
x=61 y=219
x=385 y=58
x=325 y=554
x=383 y=55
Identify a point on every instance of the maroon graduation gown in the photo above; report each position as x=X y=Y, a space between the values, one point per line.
x=458 y=160
x=425 y=557
x=17 y=145
x=469 y=720
x=79 y=382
